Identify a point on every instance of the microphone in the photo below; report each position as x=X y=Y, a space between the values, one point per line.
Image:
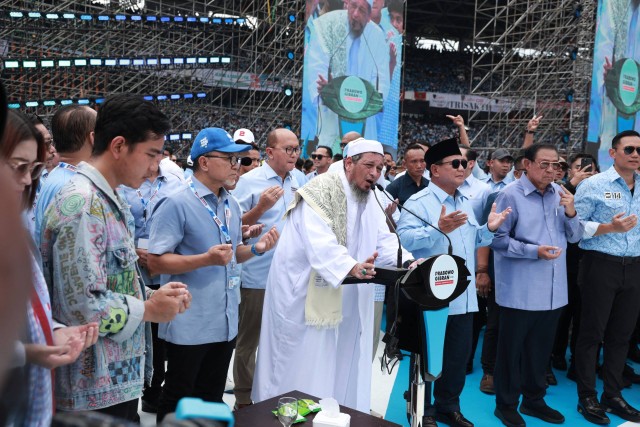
x=379 y=187
x=390 y=220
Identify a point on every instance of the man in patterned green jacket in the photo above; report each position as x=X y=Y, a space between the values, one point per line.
x=90 y=262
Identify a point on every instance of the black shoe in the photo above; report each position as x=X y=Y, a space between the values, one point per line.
x=634 y=354
x=571 y=373
x=630 y=374
x=592 y=411
x=429 y=422
x=149 y=406
x=544 y=412
x=558 y=362
x=453 y=419
x=620 y=407
x=509 y=417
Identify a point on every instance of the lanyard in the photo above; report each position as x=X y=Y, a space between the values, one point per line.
x=145 y=203
x=227 y=212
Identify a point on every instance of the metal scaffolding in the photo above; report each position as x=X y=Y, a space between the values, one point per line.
x=537 y=54
x=247 y=90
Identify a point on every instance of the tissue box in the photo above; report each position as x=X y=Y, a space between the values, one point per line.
x=321 y=420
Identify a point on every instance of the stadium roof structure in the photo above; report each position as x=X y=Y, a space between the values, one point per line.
x=441 y=18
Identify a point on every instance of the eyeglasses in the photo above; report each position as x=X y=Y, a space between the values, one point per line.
x=20 y=169
x=289 y=150
x=233 y=160
x=455 y=163
x=628 y=150
x=49 y=142
x=318 y=156
x=545 y=165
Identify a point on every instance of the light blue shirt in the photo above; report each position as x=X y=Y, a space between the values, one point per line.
x=57 y=179
x=523 y=281
x=424 y=241
x=170 y=184
x=479 y=173
x=498 y=185
x=250 y=186
x=598 y=199
x=476 y=192
x=300 y=177
x=182 y=225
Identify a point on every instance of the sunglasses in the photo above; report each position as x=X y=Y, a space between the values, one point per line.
x=545 y=165
x=34 y=169
x=248 y=161
x=455 y=163
x=318 y=156
x=629 y=149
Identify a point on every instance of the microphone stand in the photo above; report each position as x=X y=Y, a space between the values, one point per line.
x=390 y=221
x=450 y=249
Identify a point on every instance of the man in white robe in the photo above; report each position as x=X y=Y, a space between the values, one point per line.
x=322 y=345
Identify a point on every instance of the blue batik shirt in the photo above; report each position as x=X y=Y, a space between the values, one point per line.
x=598 y=199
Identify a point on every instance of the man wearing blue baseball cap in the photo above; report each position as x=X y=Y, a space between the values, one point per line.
x=196 y=235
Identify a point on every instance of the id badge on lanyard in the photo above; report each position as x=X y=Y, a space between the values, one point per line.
x=234 y=269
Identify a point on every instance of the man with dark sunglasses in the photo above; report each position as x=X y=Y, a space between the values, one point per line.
x=444 y=205
x=609 y=278
x=322 y=159
x=251 y=158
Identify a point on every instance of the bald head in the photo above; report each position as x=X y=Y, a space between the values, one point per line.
x=279 y=134
x=350 y=136
x=283 y=149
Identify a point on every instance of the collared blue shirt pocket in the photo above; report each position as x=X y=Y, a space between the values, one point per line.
x=616 y=206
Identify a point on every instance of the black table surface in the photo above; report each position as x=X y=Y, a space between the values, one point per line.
x=259 y=414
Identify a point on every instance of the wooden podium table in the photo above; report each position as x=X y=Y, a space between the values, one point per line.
x=259 y=414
